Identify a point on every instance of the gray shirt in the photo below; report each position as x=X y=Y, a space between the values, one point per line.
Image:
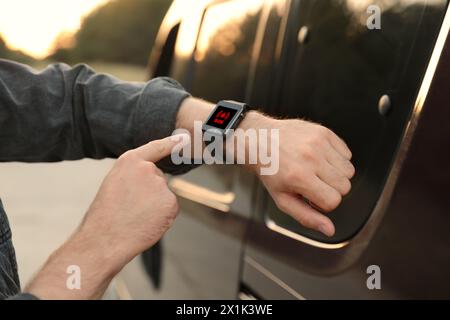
x=64 y=113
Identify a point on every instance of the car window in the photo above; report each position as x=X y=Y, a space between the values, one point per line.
x=264 y=75
x=224 y=50
x=337 y=72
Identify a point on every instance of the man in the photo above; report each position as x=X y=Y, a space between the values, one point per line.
x=65 y=113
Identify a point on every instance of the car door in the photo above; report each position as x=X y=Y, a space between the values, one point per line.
x=363 y=84
x=200 y=257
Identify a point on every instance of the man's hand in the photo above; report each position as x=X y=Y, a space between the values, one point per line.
x=314 y=165
x=134 y=206
x=132 y=210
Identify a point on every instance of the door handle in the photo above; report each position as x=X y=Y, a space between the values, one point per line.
x=196 y=193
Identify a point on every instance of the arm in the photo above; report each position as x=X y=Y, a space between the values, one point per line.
x=314 y=163
x=107 y=239
x=132 y=210
x=64 y=113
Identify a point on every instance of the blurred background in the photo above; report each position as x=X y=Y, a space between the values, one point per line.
x=45 y=202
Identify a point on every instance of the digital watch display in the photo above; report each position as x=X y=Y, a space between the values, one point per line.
x=225 y=117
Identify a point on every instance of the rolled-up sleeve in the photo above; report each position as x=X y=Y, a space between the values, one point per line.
x=69 y=113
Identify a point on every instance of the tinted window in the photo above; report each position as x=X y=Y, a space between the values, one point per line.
x=224 y=50
x=264 y=75
x=337 y=76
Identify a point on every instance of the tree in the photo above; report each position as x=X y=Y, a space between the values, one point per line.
x=16 y=55
x=120 y=31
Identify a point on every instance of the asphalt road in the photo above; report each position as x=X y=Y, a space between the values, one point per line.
x=45 y=203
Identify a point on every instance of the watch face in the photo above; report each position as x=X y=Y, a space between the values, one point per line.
x=222 y=117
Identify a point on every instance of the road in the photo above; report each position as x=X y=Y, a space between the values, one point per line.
x=45 y=203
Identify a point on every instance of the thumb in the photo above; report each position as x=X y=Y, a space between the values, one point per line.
x=159 y=149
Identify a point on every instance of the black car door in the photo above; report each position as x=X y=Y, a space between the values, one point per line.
x=363 y=84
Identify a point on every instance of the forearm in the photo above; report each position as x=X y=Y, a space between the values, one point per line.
x=69 y=113
x=97 y=261
x=133 y=209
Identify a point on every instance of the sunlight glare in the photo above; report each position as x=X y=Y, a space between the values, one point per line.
x=33 y=26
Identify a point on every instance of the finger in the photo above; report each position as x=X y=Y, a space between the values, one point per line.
x=319 y=193
x=334 y=178
x=340 y=163
x=305 y=214
x=339 y=145
x=159 y=149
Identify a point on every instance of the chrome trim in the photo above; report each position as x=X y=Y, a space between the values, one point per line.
x=274 y=278
x=121 y=289
x=375 y=218
x=193 y=192
x=272 y=225
x=431 y=69
x=245 y=296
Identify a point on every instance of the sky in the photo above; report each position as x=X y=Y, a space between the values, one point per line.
x=33 y=25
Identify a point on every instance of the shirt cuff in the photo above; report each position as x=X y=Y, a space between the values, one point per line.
x=156 y=117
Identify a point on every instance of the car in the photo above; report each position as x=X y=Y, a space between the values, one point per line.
x=383 y=88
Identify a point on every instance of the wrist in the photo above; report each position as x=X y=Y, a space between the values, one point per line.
x=255 y=120
x=96 y=262
x=101 y=249
x=191 y=110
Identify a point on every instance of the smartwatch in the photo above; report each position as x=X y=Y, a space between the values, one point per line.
x=225 y=117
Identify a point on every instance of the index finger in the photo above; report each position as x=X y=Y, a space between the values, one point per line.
x=159 y=149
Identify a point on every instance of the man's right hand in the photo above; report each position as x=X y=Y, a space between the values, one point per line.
x=131 y=212
x=134 y=206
